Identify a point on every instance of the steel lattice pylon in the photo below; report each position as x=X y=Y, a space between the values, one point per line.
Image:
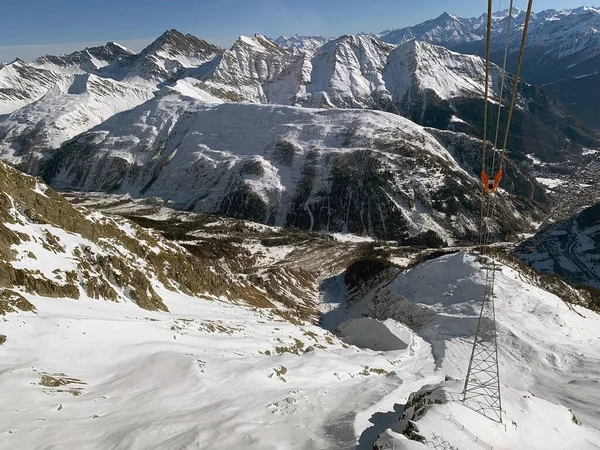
x=482 y=384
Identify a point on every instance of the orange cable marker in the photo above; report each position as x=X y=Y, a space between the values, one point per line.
x=491 y=185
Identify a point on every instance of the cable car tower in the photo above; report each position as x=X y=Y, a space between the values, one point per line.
x=482 y=383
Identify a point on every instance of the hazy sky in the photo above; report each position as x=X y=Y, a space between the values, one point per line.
x=31 y=28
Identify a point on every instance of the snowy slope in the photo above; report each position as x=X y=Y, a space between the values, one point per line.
x=347 y=73
x=283 y=166
x=62 y=113
x=207 y=375
x=214 y=374
x=572 y=250
x=549 y=355
x=419 y=75
x=21 y=83
x=258 y=70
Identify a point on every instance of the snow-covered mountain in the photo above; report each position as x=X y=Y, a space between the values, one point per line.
x=21 y=83
x=62 y=113
x=364 y=172
x=161 y=59
x=547 y=26
x=445 y=29
x=89 y=60
x=297 y=42
x=571 y=250
x=158 y=62
x=436 y=87
x=427 y=83
x=344 y=73
x=256 y=69
x=347 y=73
x=562 y=51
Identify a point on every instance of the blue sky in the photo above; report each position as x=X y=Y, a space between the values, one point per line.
x=29 y=28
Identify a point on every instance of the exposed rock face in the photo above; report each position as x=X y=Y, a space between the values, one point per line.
x=50 y=248
x=11 y=301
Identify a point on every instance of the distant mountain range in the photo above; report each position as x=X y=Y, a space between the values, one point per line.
x=563 y=49
x=562 y=52
x=60 y=113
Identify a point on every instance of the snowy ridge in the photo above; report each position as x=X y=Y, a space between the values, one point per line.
x=62 y=113
x=21 y=84
x=89 y=60
x=565 y=26
x=306 y=43
x=169 y=53
x=445 y=29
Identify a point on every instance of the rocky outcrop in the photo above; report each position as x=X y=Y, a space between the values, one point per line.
x=79 y=253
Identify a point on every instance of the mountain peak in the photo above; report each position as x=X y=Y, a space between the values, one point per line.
x=445 y=18
x=258 y=42
x=174 y=43
x=171 y=35
x=116 y=46
x=299 y=42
